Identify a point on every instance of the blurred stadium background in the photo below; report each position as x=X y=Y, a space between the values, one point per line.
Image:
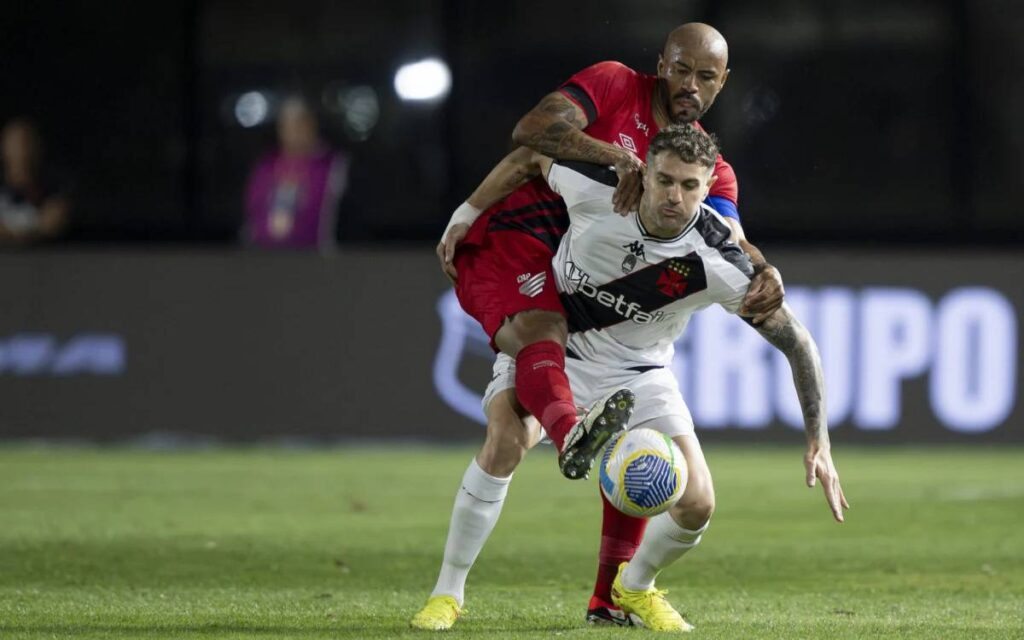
x=878 y=150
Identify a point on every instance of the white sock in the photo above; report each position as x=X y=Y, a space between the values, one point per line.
x=664 y=542
x=477 y=507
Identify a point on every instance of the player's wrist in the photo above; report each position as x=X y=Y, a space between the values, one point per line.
x=623 y=158
x=818 y=443
x=465 y=213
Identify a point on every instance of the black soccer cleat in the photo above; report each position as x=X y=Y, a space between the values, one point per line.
x=585 y=439
x=602 y=616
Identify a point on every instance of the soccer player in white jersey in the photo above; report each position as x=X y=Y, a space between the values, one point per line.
x=630 y=284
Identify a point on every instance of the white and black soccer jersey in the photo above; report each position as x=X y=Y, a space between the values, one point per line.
x=629 y=295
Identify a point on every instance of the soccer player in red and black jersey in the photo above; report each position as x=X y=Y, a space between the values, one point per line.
x=500 y=260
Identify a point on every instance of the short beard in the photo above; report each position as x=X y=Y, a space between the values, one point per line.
x=682 y=119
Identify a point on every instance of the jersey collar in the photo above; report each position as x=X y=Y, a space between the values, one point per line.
x=652 y=238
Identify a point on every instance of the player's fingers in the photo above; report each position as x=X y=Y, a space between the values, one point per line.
x=449 y=270
x=829 y=485
x=630 y=185
x=837 y=511
x=761 y=288
x=763 y=308
x=440 y=256
x=754 y=293
x=632 y=197
x=768 y=300
x=637 y=193
x=842 y=497
x=449 y=250
x=837 y=493
x=620 y=197
x=623 y=192
x=810 y=473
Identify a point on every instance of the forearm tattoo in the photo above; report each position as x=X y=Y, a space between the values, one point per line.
x=556 y=131
x=790 y=337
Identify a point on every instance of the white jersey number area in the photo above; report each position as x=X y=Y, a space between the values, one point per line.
x=628 y=294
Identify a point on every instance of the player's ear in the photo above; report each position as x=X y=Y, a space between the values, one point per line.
x=712 y=180
x=725 y=77
x=661 y=64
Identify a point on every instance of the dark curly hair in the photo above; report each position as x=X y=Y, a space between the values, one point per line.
x=689 y=143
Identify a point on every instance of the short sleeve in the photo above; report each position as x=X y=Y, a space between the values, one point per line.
x=723 y=207
x=727 y=268
x=583 y=194
x=731 y=283
x=726 y=186
x=599 y=88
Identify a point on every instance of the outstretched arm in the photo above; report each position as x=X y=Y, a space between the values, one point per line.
x=790 y=337
x=516 y=169
x=554 y=128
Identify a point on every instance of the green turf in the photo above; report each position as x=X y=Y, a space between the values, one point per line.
x=346 y=544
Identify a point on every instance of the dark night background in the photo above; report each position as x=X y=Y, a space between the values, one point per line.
x=855 y=122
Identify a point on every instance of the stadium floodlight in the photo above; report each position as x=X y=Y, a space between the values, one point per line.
x=252 y=109
x=426 y=80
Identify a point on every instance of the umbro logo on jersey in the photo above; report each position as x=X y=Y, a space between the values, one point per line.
x=532 y=285
x=636 y=248
x=627 y=142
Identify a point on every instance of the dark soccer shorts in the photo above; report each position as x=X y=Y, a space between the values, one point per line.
x=507 y=273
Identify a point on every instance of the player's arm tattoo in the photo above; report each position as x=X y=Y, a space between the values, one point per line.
x=554 y=128
x=790 y=337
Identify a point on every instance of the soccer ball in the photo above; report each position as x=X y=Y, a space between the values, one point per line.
x=643 y=472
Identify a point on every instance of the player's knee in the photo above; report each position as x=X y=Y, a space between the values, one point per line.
x=506 y=445
x=699 y=513
x=536 y=326
x=696 y=507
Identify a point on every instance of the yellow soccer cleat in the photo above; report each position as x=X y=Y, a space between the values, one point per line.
x=439 y=614
x=649 y=608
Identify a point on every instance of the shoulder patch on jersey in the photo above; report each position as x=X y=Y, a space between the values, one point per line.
x=716 y=234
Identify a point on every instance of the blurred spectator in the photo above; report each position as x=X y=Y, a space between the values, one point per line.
x=31 y=207
x=293 y=193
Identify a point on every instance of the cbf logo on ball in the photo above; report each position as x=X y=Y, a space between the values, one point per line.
x=643 y=473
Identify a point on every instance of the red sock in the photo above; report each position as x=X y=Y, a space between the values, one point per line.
x=543 y=388
x=620 y=536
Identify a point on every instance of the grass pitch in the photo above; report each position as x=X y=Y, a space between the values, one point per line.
x=346 y=544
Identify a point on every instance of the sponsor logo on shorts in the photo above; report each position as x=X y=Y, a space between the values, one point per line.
x=532 y=285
